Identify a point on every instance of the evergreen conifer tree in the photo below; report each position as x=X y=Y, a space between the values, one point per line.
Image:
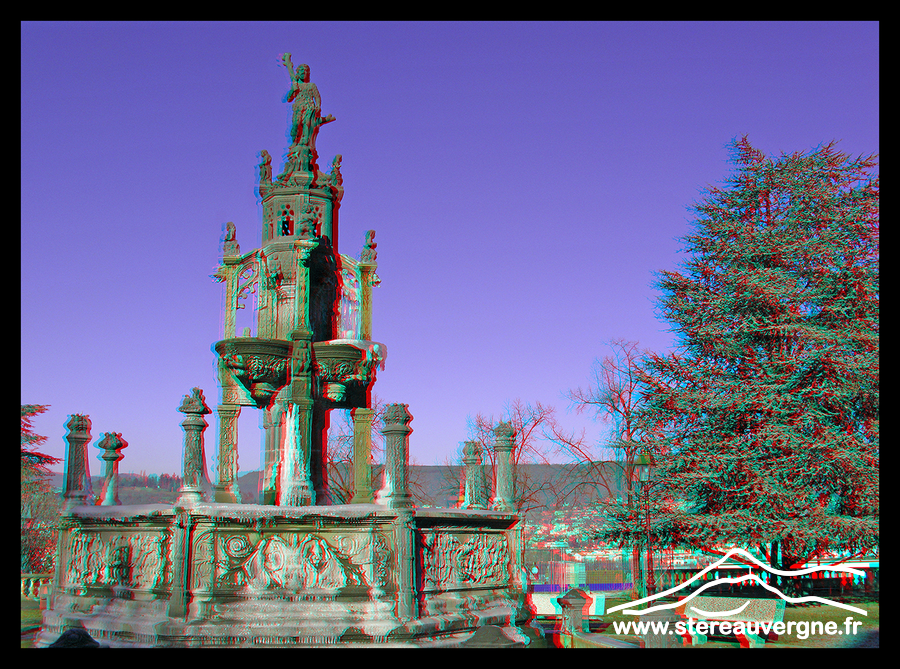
x=765 y=419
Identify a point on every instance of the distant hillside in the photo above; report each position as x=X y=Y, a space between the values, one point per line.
x=431 y=485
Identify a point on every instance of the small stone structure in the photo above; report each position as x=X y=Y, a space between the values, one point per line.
x=295 y=569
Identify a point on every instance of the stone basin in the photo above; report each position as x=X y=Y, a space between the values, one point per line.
x=341 y=363
x=261 y=365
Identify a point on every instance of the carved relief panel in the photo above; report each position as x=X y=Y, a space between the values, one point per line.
x=138 y=560
x=451 y=558
x=292 y=561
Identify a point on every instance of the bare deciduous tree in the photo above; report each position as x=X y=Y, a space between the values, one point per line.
x=531 y=423
x=614 y=398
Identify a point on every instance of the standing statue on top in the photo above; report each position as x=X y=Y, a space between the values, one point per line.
x=306 y=119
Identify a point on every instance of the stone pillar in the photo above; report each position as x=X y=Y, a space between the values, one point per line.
x=294 y=478
x=303 y=248
x=362 y=455
x=226 y=489
x=405 y=547
x=272 y=420
x=318 y=453
x=78 y=491
x=112 y=444
x=504 y=481
x=366 y=271
x=231 y=279
x=294 y=481
x=395 y=491
x=195 y=483
x=295 y=486
x=472 y=497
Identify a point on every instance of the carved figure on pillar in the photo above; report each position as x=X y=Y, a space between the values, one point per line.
x=295 y=483
x=79 y=491
x=265 y=168
x=230 y=247
x=368 y=253
x=195 y=482
x=111 y=444
x=307 y=224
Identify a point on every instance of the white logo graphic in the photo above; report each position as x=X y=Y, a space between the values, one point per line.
x=746 y=577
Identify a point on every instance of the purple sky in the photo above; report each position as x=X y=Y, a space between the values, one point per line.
x=525 y=181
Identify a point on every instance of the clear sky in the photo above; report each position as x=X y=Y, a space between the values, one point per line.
x=525 y=181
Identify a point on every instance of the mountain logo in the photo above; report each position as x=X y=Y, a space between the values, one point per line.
x=628 y=607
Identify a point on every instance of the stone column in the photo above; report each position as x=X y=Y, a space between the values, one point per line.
x=362 y=454
x=295 y=487
x=231 y=278
x=395 y=491
x=295 y=484
x=294 y=481
x=472 y=497
x=366 y=271
x=303 y=248
x=195 y=483
x=226 y=489
x=78 y=491
x=112 y=444
x=504 y=482
x=318 y=453
x=405 y=547
x=272 y=418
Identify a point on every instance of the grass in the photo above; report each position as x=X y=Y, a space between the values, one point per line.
x=31 y=622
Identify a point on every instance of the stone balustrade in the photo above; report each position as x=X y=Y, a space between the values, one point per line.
x=35 y=585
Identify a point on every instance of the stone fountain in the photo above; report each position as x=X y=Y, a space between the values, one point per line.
x=295 y=570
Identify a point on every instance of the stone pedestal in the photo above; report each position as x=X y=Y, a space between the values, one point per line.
x=504 y=486
x=78 y=491
x=473 y=491
x=225 y=575
x=112 y=444
x=362 y=455
x=195 y=484
x=395 y=491
x=226 y=489
x=575 y=605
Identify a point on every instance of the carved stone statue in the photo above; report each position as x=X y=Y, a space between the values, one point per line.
x=308 y=222
x=230 y=247
x=194 y=403
x=336 y=178
x=307 y=117
x=368 y=253
x=265 y=167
